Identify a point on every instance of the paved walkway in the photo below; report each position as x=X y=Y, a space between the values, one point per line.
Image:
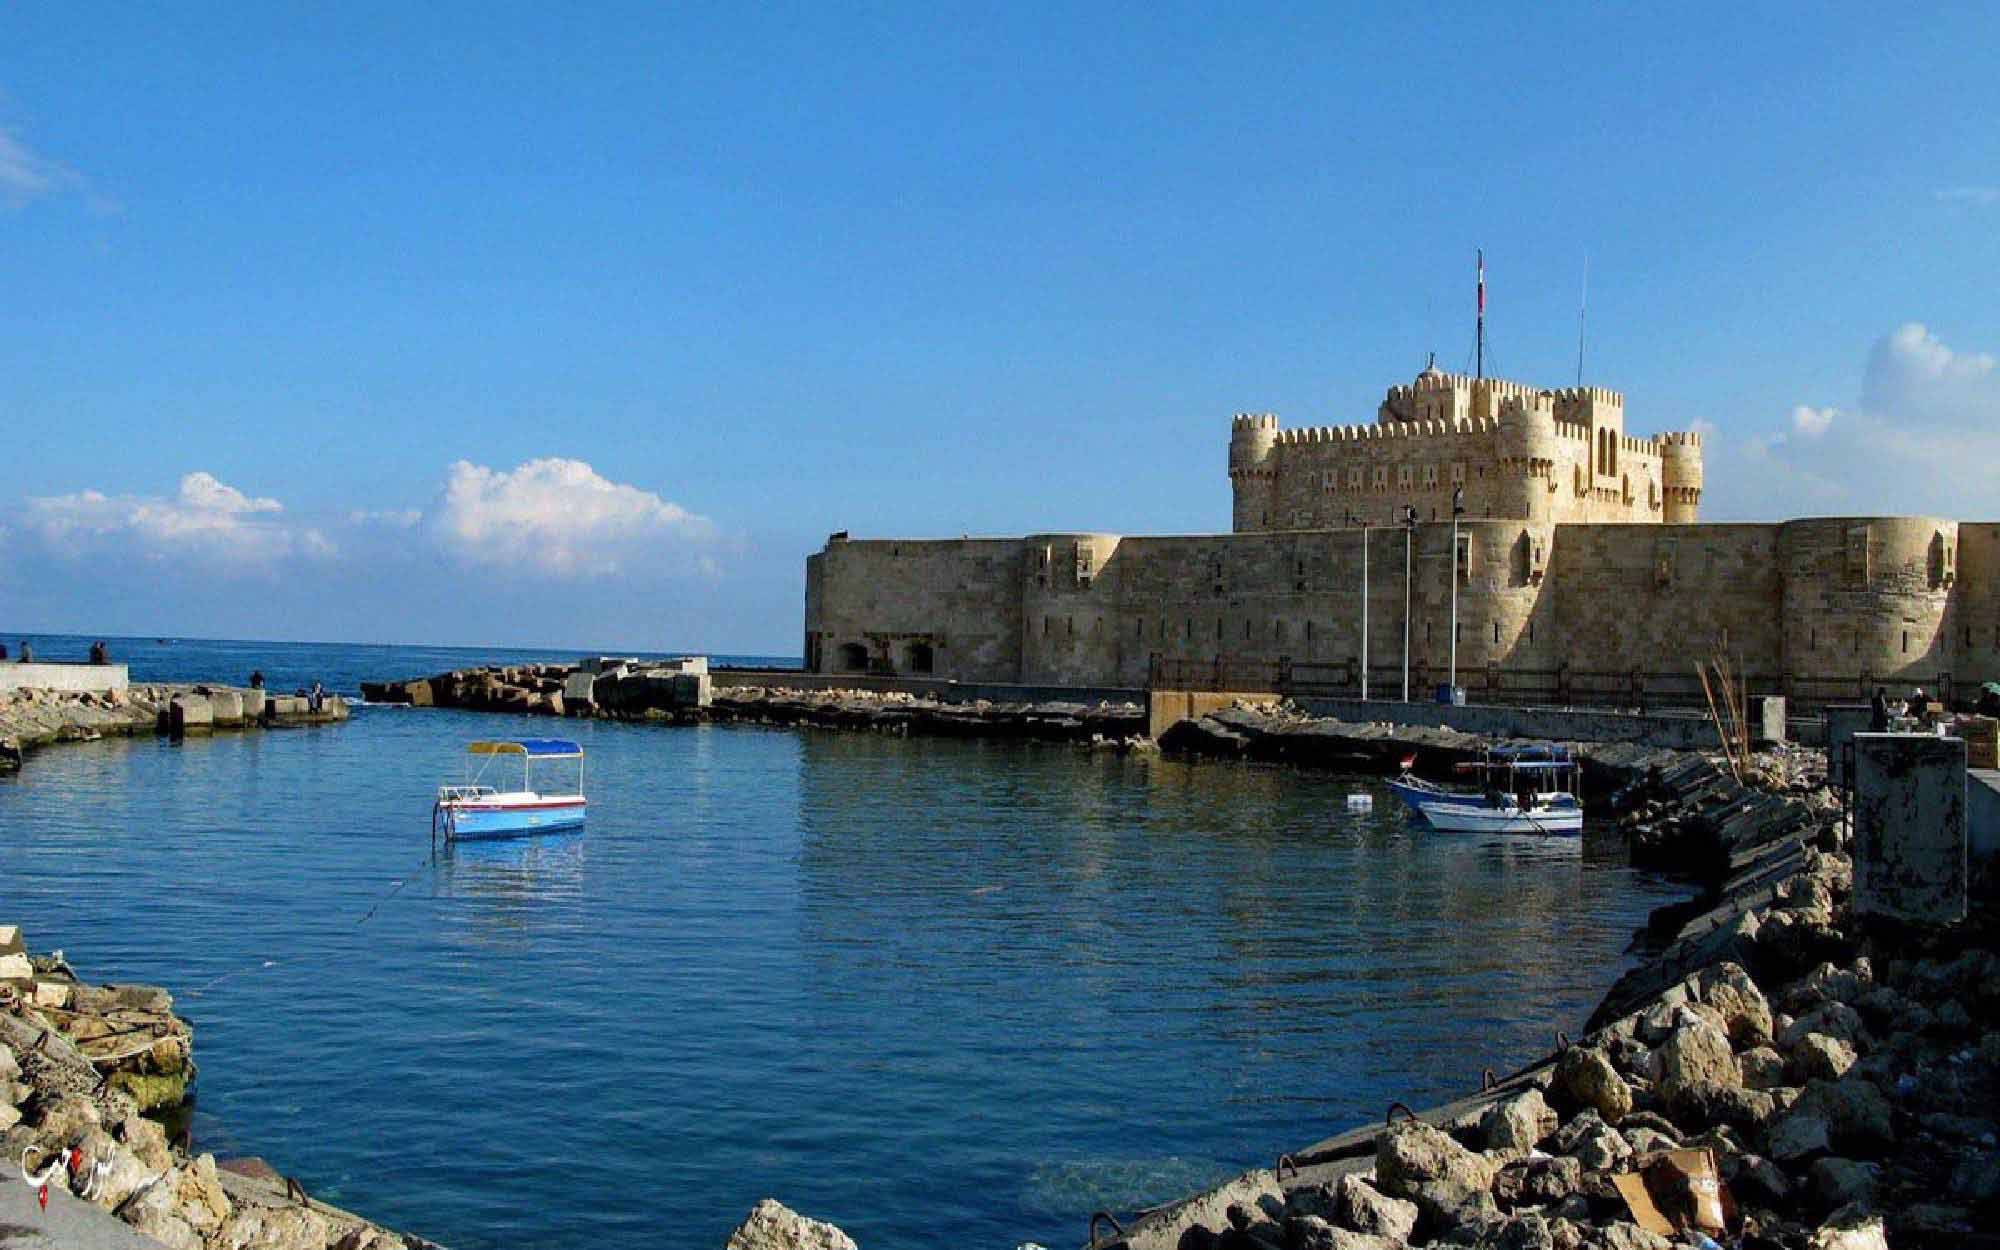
x=70 y=1223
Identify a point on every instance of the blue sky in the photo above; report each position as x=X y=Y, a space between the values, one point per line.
x=314 y=316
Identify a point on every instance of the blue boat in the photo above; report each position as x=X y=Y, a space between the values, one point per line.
x=473 y=809
x=1522 y=789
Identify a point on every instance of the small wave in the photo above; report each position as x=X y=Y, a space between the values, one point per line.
x=1075 y=1187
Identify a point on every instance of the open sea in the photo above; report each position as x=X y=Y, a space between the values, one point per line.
x=938 y=992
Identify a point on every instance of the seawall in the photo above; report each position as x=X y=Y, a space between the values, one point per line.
x=84 y=1071
x=1830 y=1073
x=33 y=718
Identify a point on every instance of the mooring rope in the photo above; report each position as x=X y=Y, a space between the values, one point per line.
x=429 y=861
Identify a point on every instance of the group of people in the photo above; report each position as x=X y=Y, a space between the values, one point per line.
x=1916 y=707
x=99 y=653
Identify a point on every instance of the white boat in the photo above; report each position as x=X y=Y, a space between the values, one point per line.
x=477 y=810
x=1523 y=789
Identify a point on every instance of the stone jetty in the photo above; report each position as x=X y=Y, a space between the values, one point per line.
x=679 y=692
x=31 y=718
x=1783 y=1074
x=84 y=1072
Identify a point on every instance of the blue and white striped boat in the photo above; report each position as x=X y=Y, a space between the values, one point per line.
x=1523 y=789
x=475 y=810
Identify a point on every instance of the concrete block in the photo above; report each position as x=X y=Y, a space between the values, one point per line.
x=1843 y=721
x=693 y=689
x=1766 y=714
x=283 y=705
x=580 y=687
x=1982 y=821
x=1910 y=827
x=15 y=968
x=190 y=711
x=51 y=994
x=253 y=704
x=11 y=942
x=226 y=706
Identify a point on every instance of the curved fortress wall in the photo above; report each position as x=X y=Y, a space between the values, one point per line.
x=1820 y=609
x=1583 y=575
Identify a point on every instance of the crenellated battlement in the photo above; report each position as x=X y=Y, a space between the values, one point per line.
x=1498 y=446
x=1590 y=394
x=1305 y=435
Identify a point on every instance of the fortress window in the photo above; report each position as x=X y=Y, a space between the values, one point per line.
x=853 y=657
x=1354 y=479
x=1458 y=473
x=1139 y=629
x=1531 y=631
x=1496 y=631
x=1246 y=629
x=1812 y=643
x=1309 y=631
x=1069 y=626
x=1906 y=642
x=1190 y=628
x=921 y=657
x=1218 y=629
x=1045 y=627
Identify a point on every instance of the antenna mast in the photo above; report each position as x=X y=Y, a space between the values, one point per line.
x=1582 y=302
x=1479 y=348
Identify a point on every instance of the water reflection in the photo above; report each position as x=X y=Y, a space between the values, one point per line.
x=512 y=885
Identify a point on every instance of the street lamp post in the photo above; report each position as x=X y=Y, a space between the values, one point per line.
x=1409 y=535
x=1362 y=522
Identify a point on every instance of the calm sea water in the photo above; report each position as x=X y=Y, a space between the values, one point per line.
x=934 y=991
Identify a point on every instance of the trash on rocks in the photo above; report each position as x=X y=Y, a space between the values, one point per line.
x=1676 y=1191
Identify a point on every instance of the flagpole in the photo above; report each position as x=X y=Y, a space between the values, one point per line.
x=1479 y=357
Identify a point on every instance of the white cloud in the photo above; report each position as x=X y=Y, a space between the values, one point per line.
x=27 y=175
x=559 y=517
x=207 y=518
x=398 y=518
x=1979 y=197
x=1924 y=439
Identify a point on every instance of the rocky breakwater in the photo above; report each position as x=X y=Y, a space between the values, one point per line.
x=84 y=1069
x=677 y=693
x=36 y=718
x=1782 y=1076
x=1281 y=731
x=1120 y=725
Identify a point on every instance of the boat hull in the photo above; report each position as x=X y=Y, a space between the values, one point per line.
x=1452 y=812
x=466 y=822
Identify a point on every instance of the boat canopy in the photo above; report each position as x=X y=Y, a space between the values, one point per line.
x=543 y=748
x=1526 y=752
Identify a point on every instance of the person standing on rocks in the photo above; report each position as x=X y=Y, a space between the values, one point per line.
x=27 y=652
x=99 y=653
x=257 y=679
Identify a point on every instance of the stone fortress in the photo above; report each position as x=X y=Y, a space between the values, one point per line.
x=1582 y=575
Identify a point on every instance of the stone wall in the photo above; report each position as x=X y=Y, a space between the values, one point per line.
x=1518 y=452
x=1818 y=610
x=91 y=678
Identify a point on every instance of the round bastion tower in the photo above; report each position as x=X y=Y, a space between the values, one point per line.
x=1253 y=470
x=1525 y=446
x=1680 y=476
